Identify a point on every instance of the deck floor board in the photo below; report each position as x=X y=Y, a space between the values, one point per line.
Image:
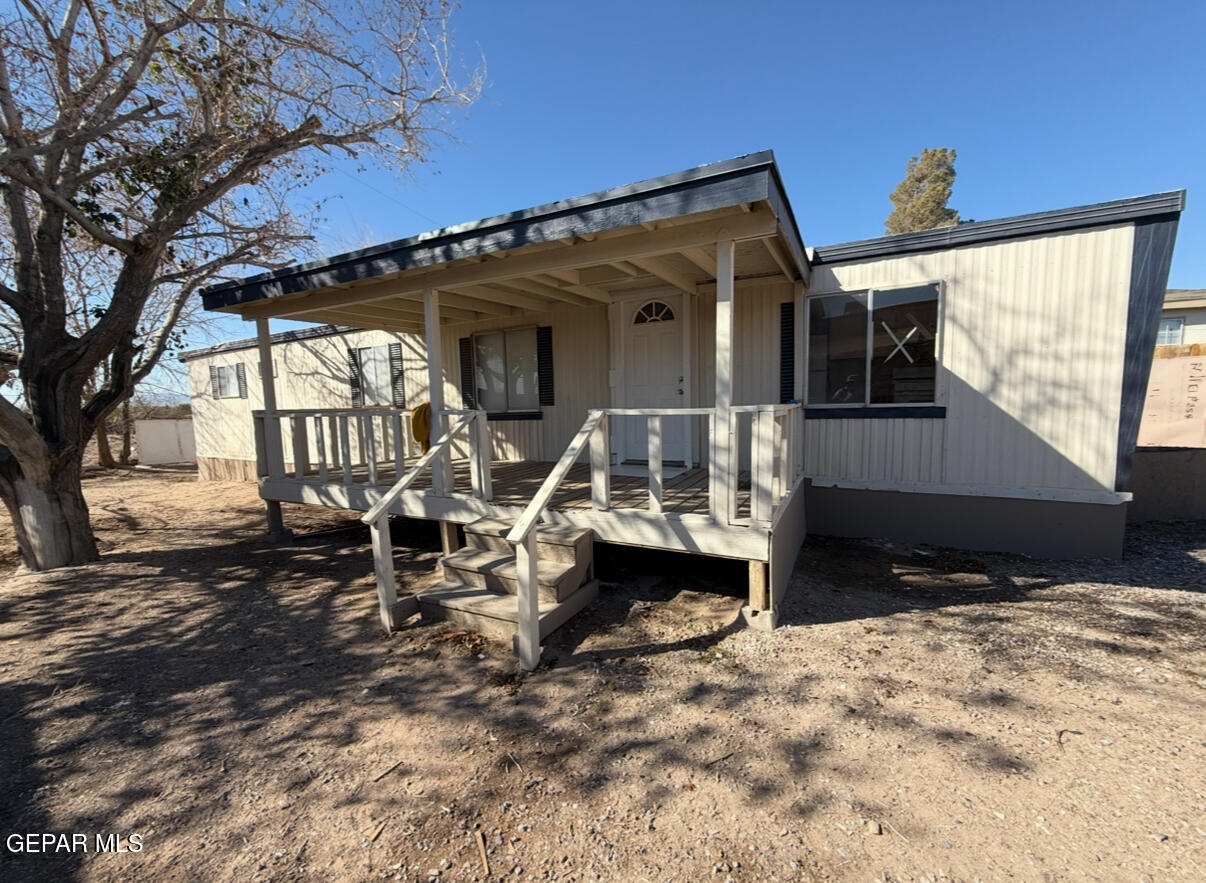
x=515 y=483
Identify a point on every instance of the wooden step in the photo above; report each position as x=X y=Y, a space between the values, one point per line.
x=496 y=571
x=495 y=615
x=554 y=543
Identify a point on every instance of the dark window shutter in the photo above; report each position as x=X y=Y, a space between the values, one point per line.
x=354 y=378
x=396 y=375
x=544 y=364
x=466 y=349
x=213 y=381
x=241 y=373
x=787 y=351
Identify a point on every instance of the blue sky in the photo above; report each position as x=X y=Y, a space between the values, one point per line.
x=1049 y=105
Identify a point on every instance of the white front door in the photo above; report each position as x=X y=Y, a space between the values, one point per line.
x=653 y=375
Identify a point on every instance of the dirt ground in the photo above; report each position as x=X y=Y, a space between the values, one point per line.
x=920 y=716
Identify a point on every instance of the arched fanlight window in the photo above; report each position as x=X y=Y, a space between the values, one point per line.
x=654 y=311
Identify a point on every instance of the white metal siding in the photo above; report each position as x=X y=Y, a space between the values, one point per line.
x=1032 y=341
x=581 y=360
x=309 y=374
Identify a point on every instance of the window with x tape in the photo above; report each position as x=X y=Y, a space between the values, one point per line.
x=873 y=347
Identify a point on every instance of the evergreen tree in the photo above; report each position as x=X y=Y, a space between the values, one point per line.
x=921 y=198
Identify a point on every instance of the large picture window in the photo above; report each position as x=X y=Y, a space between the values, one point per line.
x=877 y=347
x=506 y=376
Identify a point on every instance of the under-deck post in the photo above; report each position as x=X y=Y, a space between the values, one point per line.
x=723 y=498
x=383 y=563
x=441 y=469
x=527 y=628
x=450 y=540
x=274 y=450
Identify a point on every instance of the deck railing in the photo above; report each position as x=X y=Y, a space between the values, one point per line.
x=438 y=459
x=321 y=443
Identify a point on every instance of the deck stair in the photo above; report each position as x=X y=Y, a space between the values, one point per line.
x=480 y=582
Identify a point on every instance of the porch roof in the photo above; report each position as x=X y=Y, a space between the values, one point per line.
x=652 y=233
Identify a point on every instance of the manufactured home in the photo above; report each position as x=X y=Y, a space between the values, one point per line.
x=668 y=365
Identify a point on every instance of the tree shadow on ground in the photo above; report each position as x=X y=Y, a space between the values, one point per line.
x=245 y=668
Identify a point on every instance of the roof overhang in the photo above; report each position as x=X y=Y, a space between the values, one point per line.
x=977 y=232
x=1185 y=299
x=581 y=251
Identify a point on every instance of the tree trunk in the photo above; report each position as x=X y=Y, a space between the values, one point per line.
x=104 y=454
x=49 y=513
x=125 y=433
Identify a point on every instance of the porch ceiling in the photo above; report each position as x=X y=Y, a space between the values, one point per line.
x=580 y=252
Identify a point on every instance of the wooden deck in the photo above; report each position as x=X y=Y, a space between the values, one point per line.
x=515 y=484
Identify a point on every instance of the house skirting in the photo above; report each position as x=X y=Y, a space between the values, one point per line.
x=1039 y=528
x=225 y=469
x=1169 y=484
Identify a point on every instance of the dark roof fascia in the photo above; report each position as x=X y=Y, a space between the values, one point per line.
x=1098 y=215
x=279 y=337
x=748 y=179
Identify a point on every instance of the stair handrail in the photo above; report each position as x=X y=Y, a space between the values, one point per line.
x=531 y=515
x=391 y=496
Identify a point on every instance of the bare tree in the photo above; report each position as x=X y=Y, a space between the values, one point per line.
x=174 y=136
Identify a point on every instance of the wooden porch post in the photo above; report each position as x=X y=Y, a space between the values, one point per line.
x=273 y=449
x=441 y=469
x=723 y=498
x=798 y=355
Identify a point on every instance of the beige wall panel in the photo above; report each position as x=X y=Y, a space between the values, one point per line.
x=309 y=374
x=581 y=360
x=1032 y=341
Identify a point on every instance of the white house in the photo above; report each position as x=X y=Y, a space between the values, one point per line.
x=977 y=386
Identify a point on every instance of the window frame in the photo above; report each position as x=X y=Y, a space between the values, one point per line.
x=509 y=412
x=1180 y=320
x=223 y=390
x=867 y=406
x=389 y=385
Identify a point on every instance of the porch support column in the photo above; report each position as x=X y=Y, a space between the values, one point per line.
x=273 y=449
x=798 y=355
x=441 y=469
x=723 y=497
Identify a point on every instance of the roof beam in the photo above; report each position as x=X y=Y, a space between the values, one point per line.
x=582 y=290
x=662 y=270
x=543 y=289
x=476 y=304
x=379 y=322
x=777 y=253
x=405 y=307
x=700 y=258
x=500 y=295
x=754 y=225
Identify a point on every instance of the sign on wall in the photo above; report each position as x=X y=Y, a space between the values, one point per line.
x=1174 y=414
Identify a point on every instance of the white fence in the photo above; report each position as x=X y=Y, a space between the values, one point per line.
x=165 y=441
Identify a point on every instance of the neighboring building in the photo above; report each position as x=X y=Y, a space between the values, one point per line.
x=976 y=386
x=1183 y=321
x=1174 y=413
